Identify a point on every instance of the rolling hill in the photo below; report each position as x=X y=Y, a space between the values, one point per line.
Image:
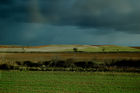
x=68 y=48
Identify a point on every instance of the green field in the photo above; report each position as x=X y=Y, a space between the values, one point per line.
x=68 y=82
x=104 y=48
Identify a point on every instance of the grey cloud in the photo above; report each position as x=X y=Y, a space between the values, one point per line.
x=41 y=34
x=38 y=22
x=6 y=1
x=121 y=15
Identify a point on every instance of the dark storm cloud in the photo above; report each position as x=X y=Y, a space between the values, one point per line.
x=121 y=15
x=6 y=1
x=38 y=22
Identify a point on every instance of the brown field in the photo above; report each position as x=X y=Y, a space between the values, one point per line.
x=136 y=47
x=36 y=57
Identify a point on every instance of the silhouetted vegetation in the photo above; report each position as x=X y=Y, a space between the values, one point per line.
x=75 y=49
x=73 y=65
x=6 y=67
x=18 y=63
x=84 y=64
x=31 y=64
x=125 y=63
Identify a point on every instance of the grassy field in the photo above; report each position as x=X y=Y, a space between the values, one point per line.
x=68 y=82
x=105 y=48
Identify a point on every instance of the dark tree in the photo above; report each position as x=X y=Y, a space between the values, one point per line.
x=103 y=49
x=75 y=49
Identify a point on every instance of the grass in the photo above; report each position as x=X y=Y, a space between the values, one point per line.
x=68 y=82
x=106 y=48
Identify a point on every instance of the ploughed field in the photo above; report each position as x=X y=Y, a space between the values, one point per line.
x=68 y=82
x=5 y=57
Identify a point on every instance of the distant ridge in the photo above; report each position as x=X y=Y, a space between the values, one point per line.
x=10 y=46
x=103 y=45
x=68 y=48
x=16 y=46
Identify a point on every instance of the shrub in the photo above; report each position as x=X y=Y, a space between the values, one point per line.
x=81 y=64
x=18 y=63
x=5 y=67
x=31 y=64
x=46 y=63
x=125 y=63
x=60 y=64
x=91 y=64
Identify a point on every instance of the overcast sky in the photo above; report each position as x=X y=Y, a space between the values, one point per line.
x=94 y=22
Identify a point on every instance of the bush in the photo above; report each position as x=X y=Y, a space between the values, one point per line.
x=80 y=64
x=5 y=66
x=31 y=64
x=91 y=64
x=46 y=63
x=84 y=64
x=125 y=63
x=60 y=64
x=18 y=63
x=73 y=65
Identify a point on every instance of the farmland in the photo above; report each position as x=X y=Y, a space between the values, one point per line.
x=63 y=61
x=60 y=69
x=63 y=57
x=68 y=82
x=68 y=48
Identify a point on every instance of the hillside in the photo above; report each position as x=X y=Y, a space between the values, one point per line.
x=68 y=48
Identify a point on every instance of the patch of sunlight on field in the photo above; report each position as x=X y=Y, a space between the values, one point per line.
x=109 y=49
x=118 y=48
x=106 y=48
x=69 y=82
x=69 y=48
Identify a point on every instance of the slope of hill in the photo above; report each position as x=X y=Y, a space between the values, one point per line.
x=69 y=48
x=107 y=48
